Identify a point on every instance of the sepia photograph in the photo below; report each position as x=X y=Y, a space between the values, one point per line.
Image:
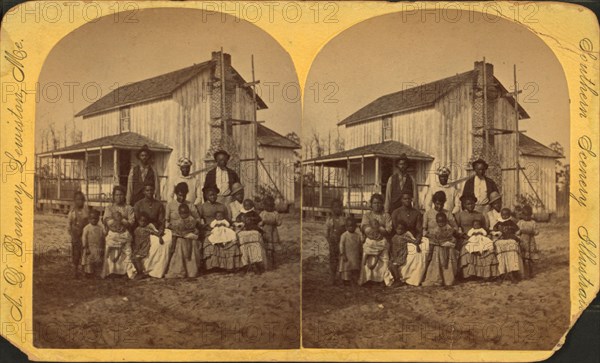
x=435 y=187
x=167 y=187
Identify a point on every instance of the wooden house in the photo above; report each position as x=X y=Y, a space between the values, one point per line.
x=449 y=122
x=190 y=112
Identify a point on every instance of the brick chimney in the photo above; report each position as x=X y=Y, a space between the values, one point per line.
x=481 y=121
x=221 y=130
x=485 y=120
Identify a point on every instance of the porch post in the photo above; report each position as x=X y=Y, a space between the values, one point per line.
x=87 y=179
x=348 y=180
x=377 y=184
x=362 y=182
x=100 y=186
x=59 y=177
x=321 y=171
x=115 y=167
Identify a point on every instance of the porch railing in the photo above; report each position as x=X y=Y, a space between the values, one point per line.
x=356 y=197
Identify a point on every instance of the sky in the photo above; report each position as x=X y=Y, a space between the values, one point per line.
x=98 y=56
x=387 y=53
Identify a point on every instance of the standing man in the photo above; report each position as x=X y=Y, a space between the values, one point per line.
x=400 y=182
x=141 y=175
x=481 y=186
x=451 y=191
x=222 y=177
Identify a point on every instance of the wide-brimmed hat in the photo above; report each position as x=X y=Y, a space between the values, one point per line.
x=479 y=161
x=146 y=149
x=494 y=196
x=223 y=152
x=210 y=187
x=465 y=197
x=236 y=187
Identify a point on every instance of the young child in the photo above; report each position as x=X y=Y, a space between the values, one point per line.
x=141 y=242
x=399 y=249
x=350 y=253
x=247 y=208
x=335 y=227
x=442 y=256
x=92 y=244
x=251 y=245
x=373 y=244
x=508 y=251
x=527 y=231
x=478 y=240
x=183 y=262
x=220 y=230
x=118 y=234
x=270 y=220
x=507 y=226
x=77 y=219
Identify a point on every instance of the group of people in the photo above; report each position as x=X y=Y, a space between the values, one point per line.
x=199 y=229
x=461 y=235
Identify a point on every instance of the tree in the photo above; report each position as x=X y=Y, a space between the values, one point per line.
x=557 y=147
x=295 y=138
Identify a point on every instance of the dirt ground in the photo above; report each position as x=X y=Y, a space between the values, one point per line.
x=531 y=314
x=215 y=310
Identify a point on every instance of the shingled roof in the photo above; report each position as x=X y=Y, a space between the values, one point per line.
x=387 y=149
x=417 y=97
x=268 y=137
x=126 y=140
x=153 y=88
x=531 y=147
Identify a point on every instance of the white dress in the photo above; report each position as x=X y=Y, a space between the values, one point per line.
x=478 y=241
x=221 y=232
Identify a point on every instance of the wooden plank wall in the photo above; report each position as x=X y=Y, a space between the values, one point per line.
x=541 y=173
x=279 y=162
x=100 y=125
x=245 y=138
x=507 y=149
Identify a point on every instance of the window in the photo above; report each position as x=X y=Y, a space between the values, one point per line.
x=124 y=118
x=387 y=128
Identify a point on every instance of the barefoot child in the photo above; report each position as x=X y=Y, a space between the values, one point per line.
x=270 y=221
x=141 y=243
x=335 y=225
x=251 y=245
x=78 y=219
x=350 y=253
x=399 y=249
x=92 y=243
x=118 y=247
x=527 y=231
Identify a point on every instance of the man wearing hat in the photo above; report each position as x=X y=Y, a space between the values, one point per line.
x=493 y=215
x=194 y=187
x=236 y=205
x=400 y=182
x=480 y=185
x=222 y=177
x=141 y=175
x=451 y=191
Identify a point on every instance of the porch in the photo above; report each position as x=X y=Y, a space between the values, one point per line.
x=353 y=176
x=93 y=167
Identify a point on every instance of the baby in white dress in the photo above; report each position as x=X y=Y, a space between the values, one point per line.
x=220 y=230
x=478 y=240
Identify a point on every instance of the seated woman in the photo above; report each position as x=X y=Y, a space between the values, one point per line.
x=376 y=259
x=184 y=249
x=226 y=256
x=117 y=216
x=473 y=264
x=413 y=271
x=157 y=261
x=507 y=247
x=442 y=261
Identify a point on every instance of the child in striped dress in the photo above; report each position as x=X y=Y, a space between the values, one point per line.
x=270 y=221
x=78 y=219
